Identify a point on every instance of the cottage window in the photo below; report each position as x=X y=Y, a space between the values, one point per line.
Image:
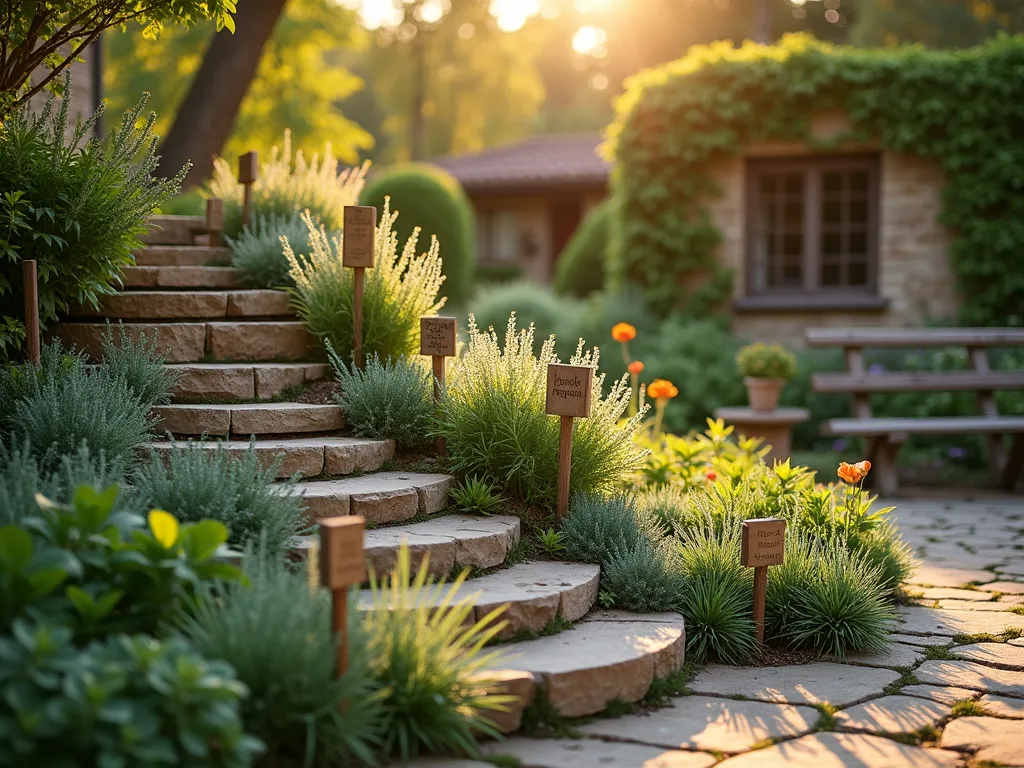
x=498 y=236
x=812 y=228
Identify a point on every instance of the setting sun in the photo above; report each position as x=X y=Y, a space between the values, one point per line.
x=590 y=40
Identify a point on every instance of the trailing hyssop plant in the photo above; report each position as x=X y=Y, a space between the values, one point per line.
x=77 y=206
x=599 y=527
x=495 y=426
x=392 y=400
x=257 y=252
x=400 y=289
x=646 y=578
x=137 y=359
x=289 y=184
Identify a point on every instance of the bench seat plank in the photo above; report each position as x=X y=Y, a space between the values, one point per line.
x=917 y=381
x=924 y=426
x=914 y=337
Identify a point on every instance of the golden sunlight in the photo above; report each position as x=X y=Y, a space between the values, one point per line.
x=590 y=40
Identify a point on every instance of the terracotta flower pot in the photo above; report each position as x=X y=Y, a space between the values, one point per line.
x=763 y=393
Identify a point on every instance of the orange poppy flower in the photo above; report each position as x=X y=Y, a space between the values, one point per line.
x=854 y=473
x=623 y=332
x=660 y=389
x=711 y=475
x=636 y=367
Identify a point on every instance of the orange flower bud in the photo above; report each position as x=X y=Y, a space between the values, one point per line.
x=660 y=389
x=853 y=473
x=623 y=332
x=636 y=367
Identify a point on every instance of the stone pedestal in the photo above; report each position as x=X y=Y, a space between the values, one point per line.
x=775 y=426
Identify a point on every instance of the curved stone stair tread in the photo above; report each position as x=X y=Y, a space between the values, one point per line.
x=242 y=381
x=534 y=593
x=189 y=305
x=453 y=540
x=143 y=277
x=182 y=255
x=304 y=456
x=186 y=342
x=245 y=419
x=383 y=497
x=173 y=228
x=608 y=655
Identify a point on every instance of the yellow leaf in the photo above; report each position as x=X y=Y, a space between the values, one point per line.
x=164 y=527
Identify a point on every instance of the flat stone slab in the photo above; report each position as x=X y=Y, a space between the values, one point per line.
x=898 y=655
x=999 y=654
x=601 y=659
x=1006 y=587
x=241 y=381
x=839 y=684
x=990 y=738
x=449 y=541
x=938 y=693
x=258 y=340
x=179 y=277
x=590 y=753
x=938 y=576
x=177 y=342
x=924 y=641
x=934 y=621
x=709 y=723
x=245 y=419
x=948 y=593
x=384 y=497
x=533 y=593
x=975 y=605
x=893 y=714
x=1003 y=706
x=969 y=674
x=181 y=254
x=844 y=750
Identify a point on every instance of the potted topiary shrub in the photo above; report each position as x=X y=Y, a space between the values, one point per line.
x=766 y=368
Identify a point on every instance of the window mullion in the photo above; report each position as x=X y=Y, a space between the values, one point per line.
x=812 y=229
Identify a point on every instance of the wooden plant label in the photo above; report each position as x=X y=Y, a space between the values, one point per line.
x=342 y=564
x=248 y=168
x=31 y=279
x=568 y=391
x=214 y=219
x=762 y=543
x=437 y=336
x=358 y=236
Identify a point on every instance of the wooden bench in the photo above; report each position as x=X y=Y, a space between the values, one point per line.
x=886 y=435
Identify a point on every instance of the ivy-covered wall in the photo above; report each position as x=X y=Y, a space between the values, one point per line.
x=964 y=109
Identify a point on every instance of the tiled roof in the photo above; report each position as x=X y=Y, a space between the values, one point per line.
x=540 y=161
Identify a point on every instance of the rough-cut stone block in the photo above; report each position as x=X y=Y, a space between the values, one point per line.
x=217 y=381
x=590 y=753
x=195 y=277
x=969 y=674
x=302 y=457
x=893 y=714
x=182 y=256
x=384 y=497
x=844 y=750
x=284 y=418
x=285 y=340
x=508 y=682
x=140 y=277
x=997 y=654
x=355 y=455
x=178 y=342
x=258 y=303
x=990 y=739
x=381 y=550
x=272 y=379
x=933 y=621
x=193 y=419
x=159 y=305
x=172 y=229
x=838 y=684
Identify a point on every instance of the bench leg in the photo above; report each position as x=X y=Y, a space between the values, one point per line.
x=997 y=455
x=882 y=455
x=1014 y=464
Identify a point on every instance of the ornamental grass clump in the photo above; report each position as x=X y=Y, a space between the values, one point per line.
x=289 y=184
x=494 y=422
x=258 y=255
x=400 y=289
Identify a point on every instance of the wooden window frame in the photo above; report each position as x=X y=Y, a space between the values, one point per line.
x=811 y=169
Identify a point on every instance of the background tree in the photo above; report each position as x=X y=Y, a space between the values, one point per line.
x=52 y=33
x=936 y=23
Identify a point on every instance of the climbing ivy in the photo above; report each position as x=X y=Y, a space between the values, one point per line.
x=964 y=108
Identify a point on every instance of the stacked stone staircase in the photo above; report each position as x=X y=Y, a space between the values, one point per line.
x=240 y=353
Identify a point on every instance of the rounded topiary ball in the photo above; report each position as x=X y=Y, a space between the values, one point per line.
x=433 y=200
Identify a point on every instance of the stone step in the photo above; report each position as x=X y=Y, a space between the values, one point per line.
x=279 y=340
x=608 y=655
x=306 y=456
x=245 y=419
x=384 y=497
x=178 y=230
x=245 y=381
x=182 y=256
x=189 y=305
x=179 y=277
x=535 y=594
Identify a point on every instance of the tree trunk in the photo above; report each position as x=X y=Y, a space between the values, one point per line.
x=205 y=118
x=417 y=123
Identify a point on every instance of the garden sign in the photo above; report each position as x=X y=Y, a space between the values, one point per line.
x=437 y=339
x=357 y=252
x=568 y=396
x=342 y=564
x=763 y=543
x=248 y=172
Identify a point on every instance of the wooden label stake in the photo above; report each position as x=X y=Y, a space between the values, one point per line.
x=248 y=173
x=360 y=232
x=214 y=220
x=568 y=396
x=342 y=564
x=437 y=339
x=763 y=543
x=31 y=310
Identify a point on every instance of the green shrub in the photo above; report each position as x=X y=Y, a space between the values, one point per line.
x=580 y=268
x=599 y=527
x=428 y=657
x=495 y=426
x=290 y=184
x=189 y=203
x=140 y=363
x=197 y=483
x=400 y=289
x=766 y=361
x=18 y=381
x=645 y=579
x=431 y=200
x=125 y=700
x=532 y=304
x=78 y=208
x=277 y=635
x=258 y=255
x=475 y=497
x=387 y=401
x=667 y=507
x=497 y=273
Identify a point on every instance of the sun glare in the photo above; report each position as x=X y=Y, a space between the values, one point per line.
x=512 y=14
x=589 y=40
